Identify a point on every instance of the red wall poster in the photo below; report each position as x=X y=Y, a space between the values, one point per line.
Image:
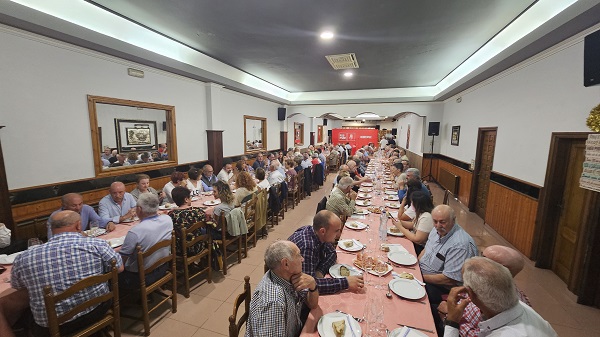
x=356 y=137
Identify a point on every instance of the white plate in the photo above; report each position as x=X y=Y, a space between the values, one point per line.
x=171 y=206
x=363 y=202
x=9 y=259
x=334 y=270
x=354 y=248
x=402 y=258
x=212 y=202
x=129 y=220
x=392 y=197
x=363 y=189
x=406 y=332
x=364 y=195
x=391 y=192
x=408 y=289
x=99 y=232
x=357 y=225
x=194 y=199
x=325 y=327
x=116 y=242
x=394 y=233
x=362 y=212
x=367 y=184
x=392 y=205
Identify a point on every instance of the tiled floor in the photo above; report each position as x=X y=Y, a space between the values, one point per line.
x=206 y=312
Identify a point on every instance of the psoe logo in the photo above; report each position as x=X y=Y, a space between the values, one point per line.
x=342 y=136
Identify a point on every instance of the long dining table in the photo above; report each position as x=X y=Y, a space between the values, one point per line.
x=397 y=311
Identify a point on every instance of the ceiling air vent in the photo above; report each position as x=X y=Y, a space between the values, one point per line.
x=342 y=61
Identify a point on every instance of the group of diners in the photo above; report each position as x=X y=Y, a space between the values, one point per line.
x=112 y=158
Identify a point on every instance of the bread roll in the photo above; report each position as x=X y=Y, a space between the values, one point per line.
x=339 y=328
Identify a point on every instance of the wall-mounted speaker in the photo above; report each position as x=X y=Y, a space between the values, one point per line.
x=434 y=129
x=394 y=131
x=591 y=59
x=325 y=121
x=280 y=114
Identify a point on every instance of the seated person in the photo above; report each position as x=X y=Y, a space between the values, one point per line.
x=260 y=162
x=306 y=161
x=186 y=216
x=143 y=186
x=208 y=178
x=74 y=202
x=407 y=210
x=246 y=167
x=177 y=179
x=222 y=192
x=290 y=174
x=193 y=183
x=342 y=200
x=226 y=173
x=66 y=259
x=144 y=158
x=275 y=177
x=418 y=230
x=316 y=245
x=132 y=158
x=262 y=182
x=152 y=229
x=280 y=295
x=298 y=162
x=414 y=174
x=118 y=205
x=245 y=186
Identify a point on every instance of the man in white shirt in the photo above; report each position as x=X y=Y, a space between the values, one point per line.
x=275 y=177
x=491 y=288
x=306 y=161
x=382 y=143
x=226 y=173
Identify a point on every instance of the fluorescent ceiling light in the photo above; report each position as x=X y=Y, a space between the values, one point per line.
x=327 y=35
x=348 y=74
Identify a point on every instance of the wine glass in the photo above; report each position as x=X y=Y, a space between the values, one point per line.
x=33 y=242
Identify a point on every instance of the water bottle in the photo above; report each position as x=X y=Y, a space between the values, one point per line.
x=383 y=226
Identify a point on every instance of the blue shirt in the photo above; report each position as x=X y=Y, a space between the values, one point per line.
x=146 y=234
x=109 y=209
x=87 y=215
x=454 y=249
x=61 y=262
x=318 y=256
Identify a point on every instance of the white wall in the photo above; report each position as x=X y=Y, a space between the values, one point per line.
x=234 y=106
x=527 y=103
x=310 y=125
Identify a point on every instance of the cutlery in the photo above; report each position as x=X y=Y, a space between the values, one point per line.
x=359 y=320
x=350 y=325
x=415 y=328
x=389 y=293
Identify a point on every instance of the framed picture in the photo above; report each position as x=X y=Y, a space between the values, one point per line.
x=320 y=134
x=135 y=135
x=455 y=135
x=299 y=133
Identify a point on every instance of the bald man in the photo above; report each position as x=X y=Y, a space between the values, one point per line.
x=118 y=205
x=74 y=202
x=514 y=262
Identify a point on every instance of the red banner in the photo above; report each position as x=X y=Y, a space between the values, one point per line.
x=357 y=138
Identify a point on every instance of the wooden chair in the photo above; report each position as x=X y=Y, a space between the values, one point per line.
x=300 y=185
x=111 y=318
x=250 y=216
x=156 y=287
x=272 y=214
x=447 y=195
x=235 y=326
x=228 y=241
x=185 y=261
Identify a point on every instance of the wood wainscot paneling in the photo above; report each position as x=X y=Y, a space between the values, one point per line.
x=512 y=214
x=415 y=160
x=466 y=177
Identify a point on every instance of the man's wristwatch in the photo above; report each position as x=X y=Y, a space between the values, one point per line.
x=451 y=323
x=313 y=290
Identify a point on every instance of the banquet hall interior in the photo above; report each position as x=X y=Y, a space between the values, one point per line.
x=497 y=103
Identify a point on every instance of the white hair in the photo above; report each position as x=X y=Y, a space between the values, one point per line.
x=345 y=182
x=276 y=252
x=491 y=282
x=148 y=202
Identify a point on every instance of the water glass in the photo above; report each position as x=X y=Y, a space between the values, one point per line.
x=33 y=242
x=374 y=314
x=93 y=228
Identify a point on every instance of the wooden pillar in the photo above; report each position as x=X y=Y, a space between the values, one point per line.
x=5 y=208
x=283 y=141
x=215 y=148
x=312 y=138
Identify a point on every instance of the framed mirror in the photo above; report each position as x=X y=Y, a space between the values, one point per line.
x=298 y=133
x=131 y=136
x=255 y=134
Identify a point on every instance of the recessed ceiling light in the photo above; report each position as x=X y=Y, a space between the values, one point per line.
x=327 y=35
x=348 y=74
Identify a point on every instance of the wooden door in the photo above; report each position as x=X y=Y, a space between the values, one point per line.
x=486 y=148
x=570 y=213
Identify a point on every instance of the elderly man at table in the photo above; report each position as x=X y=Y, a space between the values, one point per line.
x=208 y=178
x=509 y=258
x=342 y=199
x=491 y=288
x=152 y=229
x=414 y=174
x=66 y=259
x=260 y=162
x=275 y=176
x=74 y=202
x=226 y=173
x=306 y=160
x=118 y=205
x=278 y=299
x=316 y=243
